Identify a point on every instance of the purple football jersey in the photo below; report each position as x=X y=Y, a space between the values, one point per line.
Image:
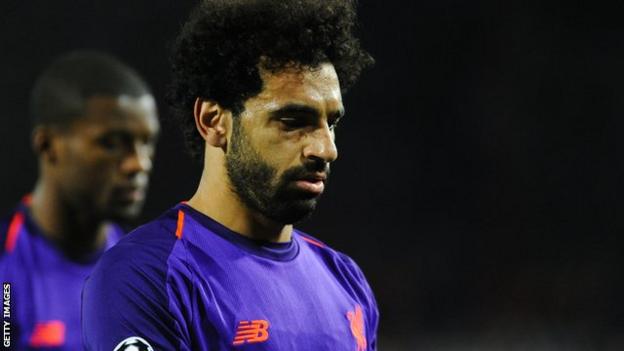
x=41 y=286
x=186 y=282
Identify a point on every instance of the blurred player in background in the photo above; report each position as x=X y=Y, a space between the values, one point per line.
x=95 y=127
x=257 y=85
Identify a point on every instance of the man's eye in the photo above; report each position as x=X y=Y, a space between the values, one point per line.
x=112 y=142
x=109 y=143
x=292 y=123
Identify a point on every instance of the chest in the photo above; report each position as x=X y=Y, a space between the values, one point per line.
x=256 y=305
x=47 y=303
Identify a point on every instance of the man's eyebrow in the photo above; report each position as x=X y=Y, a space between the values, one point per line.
x=300 y=109
x=295 y=109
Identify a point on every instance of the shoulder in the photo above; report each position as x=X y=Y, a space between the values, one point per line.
x=326 y=252
x=340 y=263
x=134 y=279
x=12 y=224
x=144 y=251
x=4 y=231
x=142 y=258
x=12 y=227
x=10 y=267
x=347 y=272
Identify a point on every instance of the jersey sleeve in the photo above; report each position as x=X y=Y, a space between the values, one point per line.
x=128 y=302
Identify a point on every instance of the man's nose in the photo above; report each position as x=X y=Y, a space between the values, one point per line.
x=139 y=160
x=321 y=145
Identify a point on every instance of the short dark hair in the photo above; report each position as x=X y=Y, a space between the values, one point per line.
x=218 y=52
x=60 y=92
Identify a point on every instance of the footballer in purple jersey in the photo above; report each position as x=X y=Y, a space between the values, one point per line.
x=94 y=130
x=44 y=283
x=187 y=282
x=258 y=91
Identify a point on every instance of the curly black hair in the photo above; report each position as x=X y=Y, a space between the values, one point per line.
x=219 y=51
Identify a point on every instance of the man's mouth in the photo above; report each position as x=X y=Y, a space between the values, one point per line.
x=131 y=194
x=313 y=183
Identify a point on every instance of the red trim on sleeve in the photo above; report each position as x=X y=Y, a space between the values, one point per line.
x=15 y=228
x=180 y=227
x=313 y=242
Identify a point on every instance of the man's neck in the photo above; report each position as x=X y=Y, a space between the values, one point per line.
x=76 y=231
x=218 y=202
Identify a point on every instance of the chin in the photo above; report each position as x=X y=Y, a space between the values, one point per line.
x=293 y=212
x=126 y=213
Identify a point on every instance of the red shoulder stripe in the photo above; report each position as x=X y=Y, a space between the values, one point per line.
x=180 y=228
x=313 y=242
x=14 y=229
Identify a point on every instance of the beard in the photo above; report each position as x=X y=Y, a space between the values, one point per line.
x=259 y=187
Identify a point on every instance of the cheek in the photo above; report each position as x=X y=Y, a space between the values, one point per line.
x=278 y=149
x=283 y=152
x=280 y=160
x=91 y=174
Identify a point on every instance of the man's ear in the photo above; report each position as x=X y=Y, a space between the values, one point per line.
x=43 y=144
x=211 y=121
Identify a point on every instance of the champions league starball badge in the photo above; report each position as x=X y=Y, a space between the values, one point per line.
x=134 y=343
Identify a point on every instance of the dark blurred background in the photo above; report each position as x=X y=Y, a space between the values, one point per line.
x=477 y=184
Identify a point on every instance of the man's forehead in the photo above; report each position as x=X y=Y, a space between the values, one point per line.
x=120 y=110
x=121 y=104
x=303 y=85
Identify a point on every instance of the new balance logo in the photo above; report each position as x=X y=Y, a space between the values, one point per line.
x=356 y=319
x=250 y=332
x=48 y=334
